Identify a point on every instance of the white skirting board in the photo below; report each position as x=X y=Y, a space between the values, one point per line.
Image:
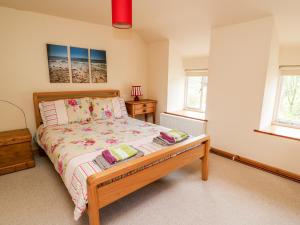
x=191 y=126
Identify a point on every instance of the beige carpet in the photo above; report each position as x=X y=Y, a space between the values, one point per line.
x=234 y=194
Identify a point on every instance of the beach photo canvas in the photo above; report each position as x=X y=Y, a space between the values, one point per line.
x=98 y=66
x=58 y=63
x=80 y=65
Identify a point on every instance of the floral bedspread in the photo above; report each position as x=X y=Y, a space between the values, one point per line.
x=72 y=148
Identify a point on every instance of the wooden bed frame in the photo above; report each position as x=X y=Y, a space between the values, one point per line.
x=112 y=184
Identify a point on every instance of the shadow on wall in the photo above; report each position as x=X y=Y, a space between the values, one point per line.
x=11 y=118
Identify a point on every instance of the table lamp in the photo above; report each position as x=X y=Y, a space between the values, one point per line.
x=136 y=92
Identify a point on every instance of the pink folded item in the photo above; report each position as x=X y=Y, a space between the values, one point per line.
x=167 y=137
x=109 y=157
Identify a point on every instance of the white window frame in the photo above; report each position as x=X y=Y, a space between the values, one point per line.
x=186 y=94
x=275 y=120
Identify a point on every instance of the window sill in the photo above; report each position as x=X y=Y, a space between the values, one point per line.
x=280 y=131
x=189 y=114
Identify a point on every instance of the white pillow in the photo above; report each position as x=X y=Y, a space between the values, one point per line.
x=53 y=113
x=119 y=107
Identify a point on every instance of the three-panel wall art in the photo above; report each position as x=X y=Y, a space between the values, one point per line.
x=76 y=65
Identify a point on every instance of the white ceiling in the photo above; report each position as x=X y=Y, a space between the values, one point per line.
x=187 y=22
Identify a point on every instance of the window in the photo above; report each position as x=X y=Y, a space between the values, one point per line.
x=287 y=110
x=195 y=93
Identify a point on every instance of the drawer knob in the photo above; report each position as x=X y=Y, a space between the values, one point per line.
x=144 y=110
x=144 y=105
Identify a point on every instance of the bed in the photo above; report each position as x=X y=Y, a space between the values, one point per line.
x=72 y=148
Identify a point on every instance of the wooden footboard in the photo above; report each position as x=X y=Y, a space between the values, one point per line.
x=119 y=181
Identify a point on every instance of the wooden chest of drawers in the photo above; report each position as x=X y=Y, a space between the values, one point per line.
x=15 y=151
x=142 y=107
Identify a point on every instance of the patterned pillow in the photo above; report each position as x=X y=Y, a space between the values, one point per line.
x=119 y=107
x=78 y=110
x=53 y=113
x=102 y=108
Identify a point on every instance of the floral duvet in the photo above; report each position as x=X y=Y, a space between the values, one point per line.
x=73 y=147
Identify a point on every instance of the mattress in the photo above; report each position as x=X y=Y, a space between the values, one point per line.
x=73 y=147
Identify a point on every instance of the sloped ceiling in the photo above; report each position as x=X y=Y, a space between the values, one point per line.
x=187 y=22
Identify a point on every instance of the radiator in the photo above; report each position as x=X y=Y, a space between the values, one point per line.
x=191 y=126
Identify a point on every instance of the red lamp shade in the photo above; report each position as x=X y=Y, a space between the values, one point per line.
x=121 y=13
x=136 y=92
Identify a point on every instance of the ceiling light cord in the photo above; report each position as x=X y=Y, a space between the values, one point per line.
x=18 y=107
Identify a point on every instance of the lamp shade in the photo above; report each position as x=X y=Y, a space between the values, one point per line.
x=136 y=92
x=121 y=13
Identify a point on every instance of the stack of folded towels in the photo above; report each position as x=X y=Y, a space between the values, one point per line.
x=115 y=155
x=171 y=137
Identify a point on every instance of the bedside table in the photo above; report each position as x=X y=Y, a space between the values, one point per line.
x=15 y=151
x=141 y=107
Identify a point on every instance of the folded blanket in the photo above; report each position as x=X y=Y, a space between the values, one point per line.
x=103 y=164
x=118 y=153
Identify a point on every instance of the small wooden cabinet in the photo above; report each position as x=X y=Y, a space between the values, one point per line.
x=142 y=107
x=15 y=151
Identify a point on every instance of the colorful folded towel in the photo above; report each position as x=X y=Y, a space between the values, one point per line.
x=118 y=153
x=178 y=135
x=108 y=157
x=103 y=164
x=171 y=137
x=167 y=137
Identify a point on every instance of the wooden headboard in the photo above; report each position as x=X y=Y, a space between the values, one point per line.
x=51 y=96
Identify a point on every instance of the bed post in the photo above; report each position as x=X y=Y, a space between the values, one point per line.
x=205 y=160
x=93 y=210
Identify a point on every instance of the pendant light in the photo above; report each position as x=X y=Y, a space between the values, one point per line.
x=121 y=13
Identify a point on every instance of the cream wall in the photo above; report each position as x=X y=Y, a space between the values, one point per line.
x=176 y=80
x=200 y=62
x=158 y=67
x=166 y=78
x=23 y=58
x=289 y=55
x=238 y=66
x=271 y=82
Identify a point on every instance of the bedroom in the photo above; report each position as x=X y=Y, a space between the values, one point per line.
x=238 y=50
